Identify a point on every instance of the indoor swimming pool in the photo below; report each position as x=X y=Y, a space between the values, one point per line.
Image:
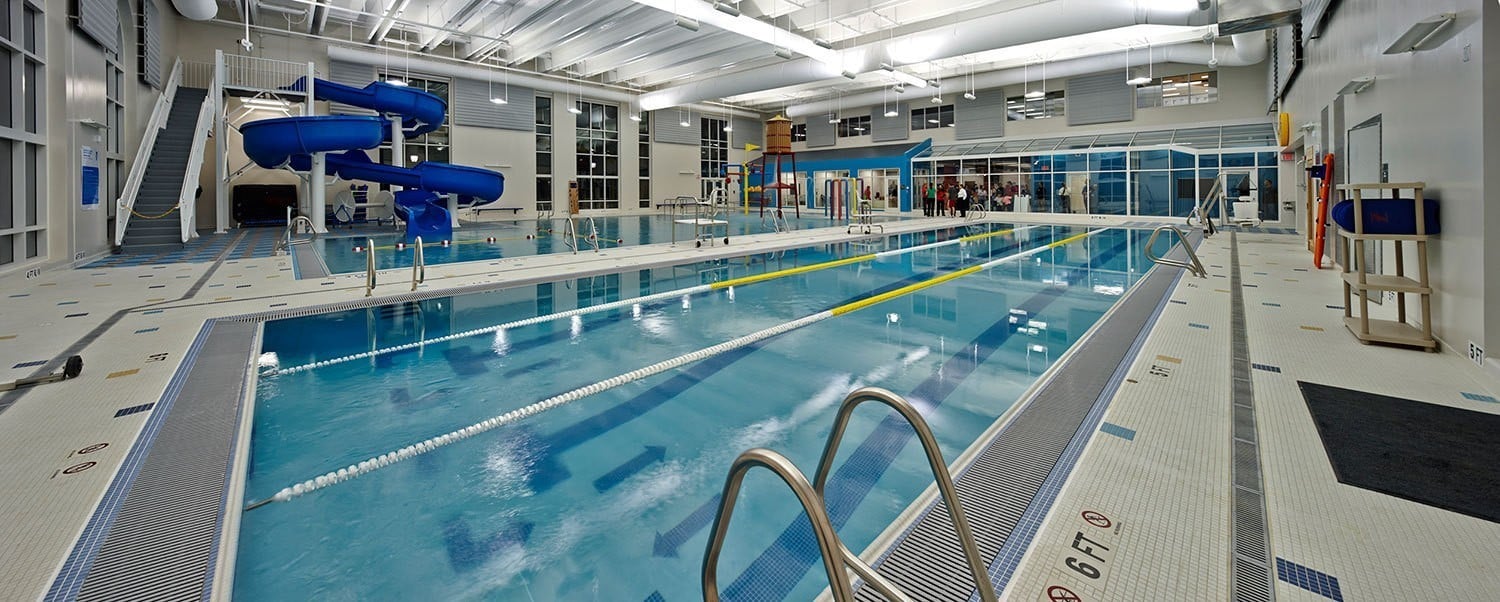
x=610 y=496
x=540 y=237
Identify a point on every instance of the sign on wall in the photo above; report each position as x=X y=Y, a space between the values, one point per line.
x=89 y=192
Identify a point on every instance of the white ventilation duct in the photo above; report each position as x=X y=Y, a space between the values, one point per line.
x=196 y=10
x=945 y=37
x=1249 y=49
x=536 y=82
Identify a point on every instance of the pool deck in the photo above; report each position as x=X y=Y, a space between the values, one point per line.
x=133 y=326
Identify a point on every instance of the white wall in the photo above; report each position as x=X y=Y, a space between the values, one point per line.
x=1242 y=95
x=1431 y=107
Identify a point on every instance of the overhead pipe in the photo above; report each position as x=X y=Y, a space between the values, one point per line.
x=944 y=37
x=558 y=85
x=1247 y=49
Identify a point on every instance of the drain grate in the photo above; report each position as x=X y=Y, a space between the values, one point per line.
x=1251 y=581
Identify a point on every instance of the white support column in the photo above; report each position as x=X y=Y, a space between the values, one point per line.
x=453 y=208
x=318 y=190
x=221 y=151
x=398 y=146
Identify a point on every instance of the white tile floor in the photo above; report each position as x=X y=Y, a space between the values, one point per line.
x=1166 y=489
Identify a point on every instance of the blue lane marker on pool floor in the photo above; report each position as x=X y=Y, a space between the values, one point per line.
x=466 y=553
x=652 y=455
x=666 y=544
x=1311 y=580
x=1480 y=397
x=655 y=597
x=1117 y=430
x=1266 y=367
x=1197 y=325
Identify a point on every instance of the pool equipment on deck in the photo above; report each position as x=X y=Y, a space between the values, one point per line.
x=513 y=416
x=72 y=367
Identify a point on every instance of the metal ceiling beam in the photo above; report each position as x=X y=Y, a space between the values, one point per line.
x=707 y=65
x=588 y=49
x=692 y=50
x=569 y=29
x=468 y=10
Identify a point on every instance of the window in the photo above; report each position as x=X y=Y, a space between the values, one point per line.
x=799 y=132
x=1019 y=108
x=854 y=126
x=713 y=149
x=1178 y=90
x=932 y=117
x=543 y=153
x=598 y=155
x=23 y=133
x=113 y=175
x=643 y=140
x=432 y=146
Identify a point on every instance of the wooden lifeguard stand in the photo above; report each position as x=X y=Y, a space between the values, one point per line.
x=778 y=148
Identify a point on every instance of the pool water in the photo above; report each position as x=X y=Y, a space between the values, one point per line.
x=610 y=497
x=540 y=237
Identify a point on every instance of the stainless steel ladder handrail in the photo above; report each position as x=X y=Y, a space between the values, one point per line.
x=369 y=266
x=593 y=236
x=285 y=242
x=934 y=461
x=418 y=265
x=570 y=234
x=1193 y=266
x=835 y=555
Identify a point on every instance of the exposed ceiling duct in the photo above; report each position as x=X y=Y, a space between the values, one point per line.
x=516 y=78
x=944 y=37
x=196 y=10
x=1248 y=49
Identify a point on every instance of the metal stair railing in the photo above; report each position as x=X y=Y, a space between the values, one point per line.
x=284 y=243
x=154 y=126
x=934 y=461
x=418 y=265
x=1192 y=265
x=187 y=198
x=835 y=556
x=570 y=234
x=369 y=266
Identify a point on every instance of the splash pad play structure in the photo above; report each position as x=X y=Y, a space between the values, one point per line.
x=321 y=145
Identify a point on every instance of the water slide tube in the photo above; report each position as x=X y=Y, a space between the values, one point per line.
x=273 y=143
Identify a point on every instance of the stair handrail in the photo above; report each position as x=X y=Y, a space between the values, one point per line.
x=418 y=265
x=126 y=203
x=1192 y=265
x=835 y=556
x=593 y=236
x=285 y=242
x=187 y=198
x=934 y=461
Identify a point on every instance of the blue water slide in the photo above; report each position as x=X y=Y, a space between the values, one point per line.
x=424 y=215
x=270 y=143
x=442 y=178
x=420 y=111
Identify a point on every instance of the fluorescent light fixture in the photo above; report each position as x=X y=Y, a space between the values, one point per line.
x=395 y=81
x=932 y=121
x=1139 y=78
x=727 y=8
x=728 y=127
x=267 y=103
x=969 y=96
x=849 y=74
x=1035 y=94
x=713 y=14
x=823 y=43
x=575 y=110
x=684 y=122
x=782 y=52
x=891 y=113
x=833 y=120
x=1357 y=85
x=936 y=100
x=635 y=116
x=499 y=101
x=1420 y=36
x=687 y=23
x=899 y=88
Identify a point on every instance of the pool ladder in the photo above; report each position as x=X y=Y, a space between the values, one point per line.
x=284 y=244
x=835 y=556
x=1192 y=265
x=570 y=234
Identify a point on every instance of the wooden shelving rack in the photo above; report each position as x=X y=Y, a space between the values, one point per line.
x=1358 y=282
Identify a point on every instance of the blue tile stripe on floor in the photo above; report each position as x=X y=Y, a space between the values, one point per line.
x=1309 y=579
x=1117 y=430
x=1481 y=397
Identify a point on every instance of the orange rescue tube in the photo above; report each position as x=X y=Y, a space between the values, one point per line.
x=1325 y=190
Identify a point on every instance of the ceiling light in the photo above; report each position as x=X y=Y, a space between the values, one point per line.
x=782 y=52
x=499 y=101
x=969 y=96
x=575 y=110
x=1420 y=36
x=891 y=113
x=823 y=43
x=687 y=23
x=635 y=117
x=899 y=88
x=728 y=127
x=932 y=121
x=907 y=78
x=1357 y=85
x=395 y=81
x=266 y=103
x=1035 y=94
x=936 y=100
x=833 y=120
x=1138 y=78
x=849 y=74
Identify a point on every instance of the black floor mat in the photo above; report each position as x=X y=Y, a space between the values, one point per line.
x=1436 y=455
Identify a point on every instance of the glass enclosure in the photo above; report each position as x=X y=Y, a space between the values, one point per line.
x=1155 y=173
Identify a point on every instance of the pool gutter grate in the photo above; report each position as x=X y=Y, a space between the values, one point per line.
x=1250 y=578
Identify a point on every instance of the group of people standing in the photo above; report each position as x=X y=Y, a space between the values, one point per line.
x=949 y=198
